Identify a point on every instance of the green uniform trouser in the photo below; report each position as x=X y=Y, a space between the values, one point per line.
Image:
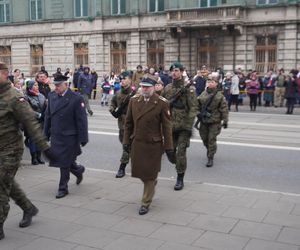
x=9 y=164
x=125 y=156
x=208 y=133
x=181 y=141
x=149 y=190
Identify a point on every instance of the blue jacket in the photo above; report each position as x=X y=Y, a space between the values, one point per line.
x=66 y=126
x=85 y=84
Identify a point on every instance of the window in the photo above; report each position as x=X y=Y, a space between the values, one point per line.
x=155 y=54
x=36 y=56
x=81 y=8
x=5 y=55
x=35 y=10
x=4 y=12
x=118 y=7
x=81 y=54
x=156 y=5
x=262 y=2
x=208 y=3
x=207 y=52
x=265 y=53
x=118 y=56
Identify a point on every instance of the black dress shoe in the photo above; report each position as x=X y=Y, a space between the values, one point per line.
x=80 y=177
x=121 y=173
x=210 y=162
x=143 y=210
x=61 y=194
x=27 y=216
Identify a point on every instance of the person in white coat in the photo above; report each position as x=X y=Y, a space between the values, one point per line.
x=234 y=92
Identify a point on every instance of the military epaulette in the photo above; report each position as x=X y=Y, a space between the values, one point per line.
x=136 y=95
x=163 y=99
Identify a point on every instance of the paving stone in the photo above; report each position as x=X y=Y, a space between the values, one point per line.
x=257 y=244
x=244 y=213
x=200 y=196
x=73 y=200
x=296 y=210
x=240 y=201
x=163 y=202
x=104 y=206
x=178 y=234
x=177 y=246
x=220 y=241
x=256 y=230
x=290 y=235
x=14 y=239
x=100 y=220
x=93 y=237
x=64 y=213
x=134 y=243
x=47 y=244
x=267 y=196
x=86 y=248
x=207 y=207
x=136 y=227
x=279 y=206
x=291 y=198
x=213 y=223
x=132 y=211
x=283 y=219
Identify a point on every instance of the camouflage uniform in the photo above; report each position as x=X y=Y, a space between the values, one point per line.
x=116 y=101
x=14 y=110
x=183 y=113
x=211 y=127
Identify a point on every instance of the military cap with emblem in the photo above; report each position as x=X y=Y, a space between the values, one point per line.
x=3 y=66
x=58 y=79
x=148 y=82
x=176 y=65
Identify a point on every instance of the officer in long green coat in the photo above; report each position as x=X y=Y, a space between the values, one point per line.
x=15 y=111
x=213 y=113
x=183 y=111
x=118 y=108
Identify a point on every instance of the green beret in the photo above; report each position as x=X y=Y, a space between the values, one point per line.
x=124 y=74
x=176 y=65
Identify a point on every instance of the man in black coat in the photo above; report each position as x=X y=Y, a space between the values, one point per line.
x=66 y=126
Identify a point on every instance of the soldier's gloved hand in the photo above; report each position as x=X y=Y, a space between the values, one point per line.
x=171 y=155
x=225 y=125
x=49 y=155
x=114 y=114
x=83 y=143
x=126 y=148
x=26 y=141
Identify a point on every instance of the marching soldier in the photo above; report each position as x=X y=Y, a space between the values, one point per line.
x=213 y=110
x=183 y=111
x=148 y=125
x=15 y=110
x=118 y=109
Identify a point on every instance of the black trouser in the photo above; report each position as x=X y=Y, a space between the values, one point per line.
x=290 y=102
x=233 y=99
x=75 y=169
x=253 y=101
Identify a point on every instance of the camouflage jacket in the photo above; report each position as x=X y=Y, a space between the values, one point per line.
x=184 y=110
x=14 y=112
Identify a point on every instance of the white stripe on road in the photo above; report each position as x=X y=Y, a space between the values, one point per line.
x=207 y=183
x=219 y=142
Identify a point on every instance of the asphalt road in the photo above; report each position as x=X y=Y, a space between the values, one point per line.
x=259 y=150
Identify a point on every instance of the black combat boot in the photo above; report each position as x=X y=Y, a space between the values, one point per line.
x=179 y=183
x=121 y=171
x=27 y=216
x=1 y=231
x=34 y=160
x=210 y=162
x=38 y=157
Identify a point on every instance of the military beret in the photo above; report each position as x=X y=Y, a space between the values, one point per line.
x=124 y=74
x=58 y=79
x=176 y=65
x=148 y=82
x=3 y=66
x=29 y=83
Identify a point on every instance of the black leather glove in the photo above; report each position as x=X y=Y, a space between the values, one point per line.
x=83 y=143
x=48 y=154
x=171 y=156
x=126 y=148
x=114 y=114
x=225 y=125
x=26 y=141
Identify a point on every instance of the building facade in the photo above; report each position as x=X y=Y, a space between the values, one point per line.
x=111 y=35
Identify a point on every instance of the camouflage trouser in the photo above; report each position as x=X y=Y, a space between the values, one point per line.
x=125 y=156
x=181 y=141
x=9 y=164
x=208 y=134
